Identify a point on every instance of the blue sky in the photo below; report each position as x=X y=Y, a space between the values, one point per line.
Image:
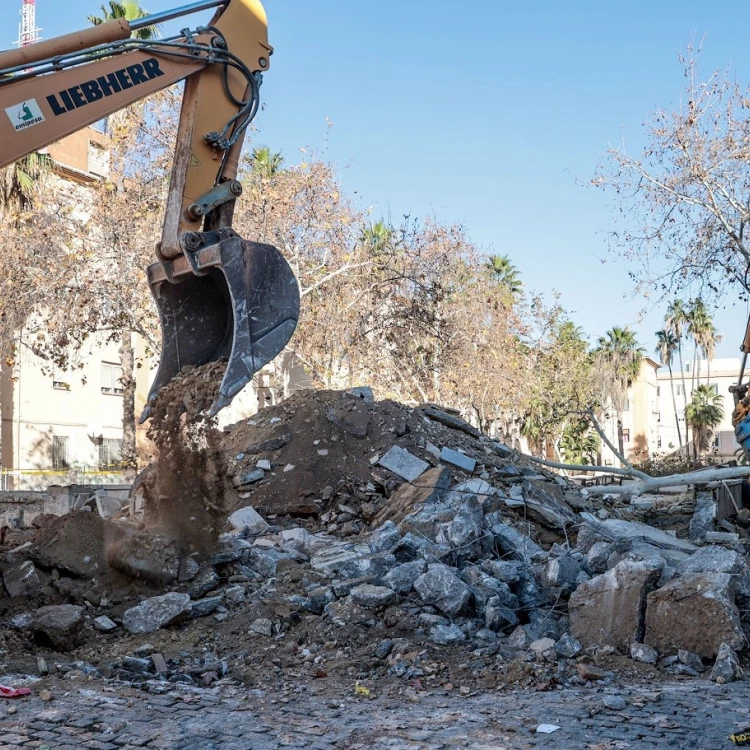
x=491 y=114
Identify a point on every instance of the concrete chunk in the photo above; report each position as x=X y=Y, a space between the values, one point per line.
x=21 y=580
x=459 y=460
x=403 y=464
x=248 y=518
x=157 y=612
x=727 y=666
x=372 y=597
x=59 y=626
x=703 y=517
x=609 y=609
x=695 y=612
x=440 y=587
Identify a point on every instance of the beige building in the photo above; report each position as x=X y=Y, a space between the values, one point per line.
x=720 y=374
x=59 y=427
x=640 y=418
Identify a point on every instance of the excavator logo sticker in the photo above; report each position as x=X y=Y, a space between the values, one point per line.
x=25 y=114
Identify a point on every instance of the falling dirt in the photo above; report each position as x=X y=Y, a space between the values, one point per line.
x=184 y=489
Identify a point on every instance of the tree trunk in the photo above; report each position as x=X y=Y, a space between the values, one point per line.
x=620 y=441
x=684 y=399
x=674 y=406
x=129 y=455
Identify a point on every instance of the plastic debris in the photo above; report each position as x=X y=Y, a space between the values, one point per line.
x=9 y=692
x=547 y=728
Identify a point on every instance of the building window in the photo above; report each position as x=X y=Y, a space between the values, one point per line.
x=98 y=160
x=60 y=459
x=658 y=442
x=60 y=381
x=714 y=387
x=110 y=454
x=679 y=390
x=111 y=378
x=626 y=436
x=627 y=405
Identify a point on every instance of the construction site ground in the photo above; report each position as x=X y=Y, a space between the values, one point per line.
x=695 y=715
x=344 y=573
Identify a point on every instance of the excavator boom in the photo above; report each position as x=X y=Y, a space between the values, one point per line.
x=218 y=296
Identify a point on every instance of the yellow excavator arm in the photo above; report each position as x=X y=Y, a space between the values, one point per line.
x=219 y=297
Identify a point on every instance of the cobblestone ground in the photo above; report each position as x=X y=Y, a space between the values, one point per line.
x=680 y=715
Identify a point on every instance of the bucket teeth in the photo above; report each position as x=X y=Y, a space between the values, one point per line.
x=233 y=300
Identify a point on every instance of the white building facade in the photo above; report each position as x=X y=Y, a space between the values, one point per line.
x=719 y=374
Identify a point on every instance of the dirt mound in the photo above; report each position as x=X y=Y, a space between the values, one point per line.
x=324 y=446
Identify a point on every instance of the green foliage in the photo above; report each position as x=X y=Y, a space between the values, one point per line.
x=266 y=163
x=505 y=273
x=620 y=346
x=703 y=413
x=20 y=181
x=579 y=443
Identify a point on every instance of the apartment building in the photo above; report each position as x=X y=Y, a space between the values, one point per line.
x=640 y=422
x=719 y=374
x=58 y=426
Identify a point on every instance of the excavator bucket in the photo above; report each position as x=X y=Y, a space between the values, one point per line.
x=225 y=298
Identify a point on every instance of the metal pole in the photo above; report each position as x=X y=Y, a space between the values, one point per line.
x=168 y=15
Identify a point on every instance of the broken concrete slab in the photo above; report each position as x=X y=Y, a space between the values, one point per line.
x=248 y=519
x=722 y=537
x=694 y=612
x=444 y=635
x=596 y=560
x=513 y=542
x=715 y=559
x=21 y=580
x=457 y=459
x=428 y=489
x=385 y=537
x=372 y=597
x=610 y=608
x=643 y=653
x=498 y=617
x=563 y=571
x=403 y=464
x=59 y=626
x=247 y=478
x=474 y=486
x=106 y=504
x=440 y=587
x=727 y=666
x=157 y=612
x=704 y=515
x=103 y=624
x=618 y=528
x=401 y=578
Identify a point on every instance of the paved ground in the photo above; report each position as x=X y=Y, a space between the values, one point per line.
x=680 y=715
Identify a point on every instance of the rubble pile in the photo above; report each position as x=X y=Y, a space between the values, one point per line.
x=371 y=540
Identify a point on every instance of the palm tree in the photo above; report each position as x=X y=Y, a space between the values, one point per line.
x=505 y=273
x=622 y=354
x=703 y=413
x=701 y=328
x=19 y=183
x=666 y=345
x=579 y=444
x=130 y=10
x=266 y=163
x=377 y=237
x=676 y=323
